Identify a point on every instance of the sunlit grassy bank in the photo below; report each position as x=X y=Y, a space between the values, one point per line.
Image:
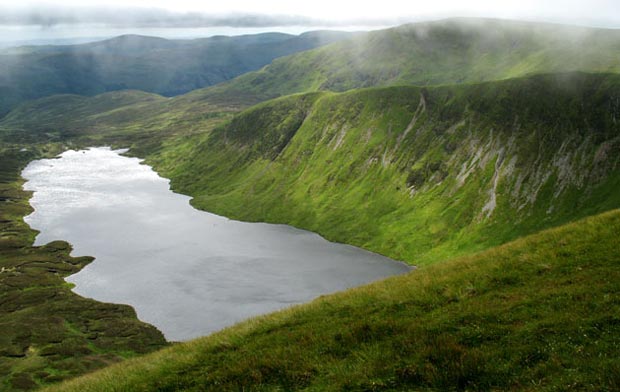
x=539 y=313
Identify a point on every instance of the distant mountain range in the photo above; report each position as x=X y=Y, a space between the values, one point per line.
x=162 y=66
x=10 y=44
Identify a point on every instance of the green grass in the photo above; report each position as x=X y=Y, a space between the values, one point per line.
x=539 y=314
x=48 y=333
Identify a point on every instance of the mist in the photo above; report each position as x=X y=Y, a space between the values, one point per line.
x=64 y=25
x=69 y=21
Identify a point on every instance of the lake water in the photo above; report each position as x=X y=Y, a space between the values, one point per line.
x=186 y=271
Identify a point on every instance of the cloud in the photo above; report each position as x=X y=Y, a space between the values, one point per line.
x=159 y=18
x=324 y=13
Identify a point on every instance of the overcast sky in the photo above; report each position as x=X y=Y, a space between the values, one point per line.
x=51 y=19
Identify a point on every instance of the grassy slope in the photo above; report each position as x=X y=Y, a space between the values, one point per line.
x=540 y=313
x=49 y=115
x=49 y=333
x=442 y=52
x=422 y=164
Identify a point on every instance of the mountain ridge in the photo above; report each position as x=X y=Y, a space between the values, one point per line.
x=460 y=168
x=457 y=50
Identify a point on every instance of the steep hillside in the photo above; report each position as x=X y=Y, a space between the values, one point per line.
x=436 y=172
x=538 y=314
x=419 y=174
x=168 y=67
x=442 y=52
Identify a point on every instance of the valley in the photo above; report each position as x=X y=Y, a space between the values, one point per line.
x=484 y=152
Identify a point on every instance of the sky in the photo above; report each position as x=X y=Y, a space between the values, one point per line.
x=26 y=20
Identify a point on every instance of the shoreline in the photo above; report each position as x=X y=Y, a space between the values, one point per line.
x=106 y=281
x=42 y=317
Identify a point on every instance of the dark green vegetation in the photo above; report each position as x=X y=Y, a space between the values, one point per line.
x=422 y=174
x=538 y=314
x=48 y=333
x=167 y=67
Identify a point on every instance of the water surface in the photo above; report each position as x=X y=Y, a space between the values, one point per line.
x=187 y=272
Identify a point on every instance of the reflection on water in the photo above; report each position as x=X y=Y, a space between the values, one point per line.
x=187 y=272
